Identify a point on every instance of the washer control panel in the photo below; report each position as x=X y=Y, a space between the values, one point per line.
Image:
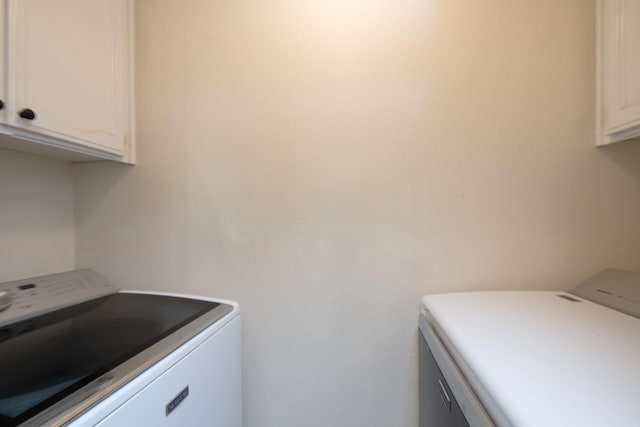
x=20 y=299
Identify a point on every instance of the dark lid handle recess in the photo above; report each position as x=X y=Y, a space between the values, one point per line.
x=1 y=104
x=27 y=113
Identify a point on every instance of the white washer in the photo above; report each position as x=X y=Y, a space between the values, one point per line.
x=537 y=358
x=76 y=352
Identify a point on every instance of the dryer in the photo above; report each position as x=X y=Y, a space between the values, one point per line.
x=533 y=358
x=76 y=351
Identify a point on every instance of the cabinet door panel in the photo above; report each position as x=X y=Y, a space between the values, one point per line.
x=629 y=46
x=67 y=64
x=3 y=70
x=620 y=68
x=625 y=105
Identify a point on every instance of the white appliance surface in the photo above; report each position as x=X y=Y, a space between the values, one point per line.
x=79 y=354
x=209 y=364
x=544 y=360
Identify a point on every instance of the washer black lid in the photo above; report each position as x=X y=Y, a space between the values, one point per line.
x=47 y=358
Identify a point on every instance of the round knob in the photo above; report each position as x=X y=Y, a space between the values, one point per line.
x=5 y=300
x=27 y=113
x=1 y=104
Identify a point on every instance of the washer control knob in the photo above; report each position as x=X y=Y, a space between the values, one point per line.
x=5 y=300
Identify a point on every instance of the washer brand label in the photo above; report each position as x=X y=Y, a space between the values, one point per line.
x=177 y=400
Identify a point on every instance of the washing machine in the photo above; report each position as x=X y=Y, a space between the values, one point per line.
x=533 y=358
x=76 y=351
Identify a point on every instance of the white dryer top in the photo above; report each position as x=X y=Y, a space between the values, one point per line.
x=542 y=359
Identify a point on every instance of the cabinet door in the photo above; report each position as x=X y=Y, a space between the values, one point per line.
x=67 y=62
x=3 y=70
x=619 y=69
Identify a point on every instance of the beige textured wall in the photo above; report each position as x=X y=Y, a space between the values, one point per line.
x=36 y=216
x=328 y=162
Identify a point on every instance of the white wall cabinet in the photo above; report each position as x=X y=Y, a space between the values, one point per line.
x=618 y=71
x=66 y=85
